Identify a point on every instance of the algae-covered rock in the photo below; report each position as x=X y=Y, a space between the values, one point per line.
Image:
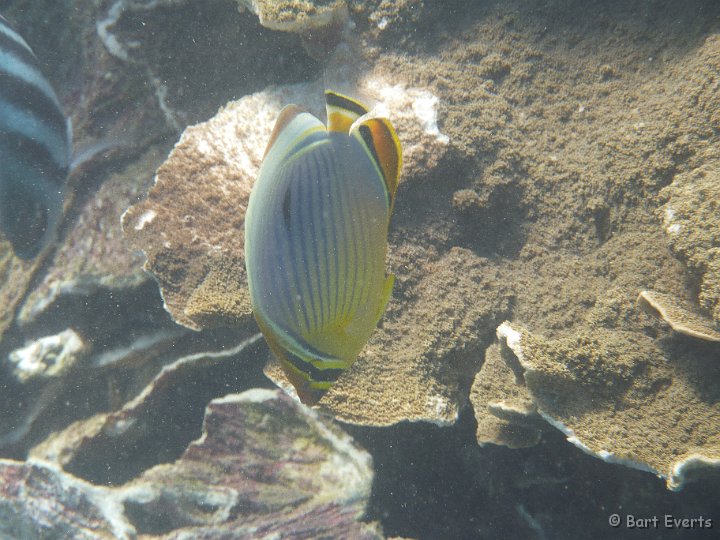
x=504 y=409
x=692 y=222
x=264 y=465
x=298 y=16
x=683 y=318
x=624 y=399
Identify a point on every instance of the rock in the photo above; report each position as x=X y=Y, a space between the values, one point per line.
x=38 y=500
x=110 y=442
x=94 y=255
x=264 y=465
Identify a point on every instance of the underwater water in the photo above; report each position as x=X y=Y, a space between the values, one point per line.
x=487 y=262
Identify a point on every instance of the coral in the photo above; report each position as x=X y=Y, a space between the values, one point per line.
x=298 y=16
x=692 y=222
x=620 y=397
x=418 y=363
x=94 y=255
x=413 y=111
x=505 y=412
x=683 y=318
x=319 y=23
x=191 y=225
x=193 y=240
x=47 y=357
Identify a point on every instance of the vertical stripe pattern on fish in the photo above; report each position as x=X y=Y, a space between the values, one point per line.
x=35 y=148
x=316 y=238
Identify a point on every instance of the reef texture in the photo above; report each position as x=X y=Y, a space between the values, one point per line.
x=615 y=395
x=106 y=444
x=298 y=16
x=263 y=465
x=15 y=276
x=417 y=365
x=560 y=159
x=692 y=223
x=193 y=239
x=94 y=255
x=682 y=317
x=191 y=225
x=505 y=411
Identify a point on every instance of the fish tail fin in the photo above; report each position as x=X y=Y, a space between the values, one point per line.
x=381 y=142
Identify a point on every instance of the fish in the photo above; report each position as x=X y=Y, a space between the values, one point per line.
x=35 y=148
x=316 y=231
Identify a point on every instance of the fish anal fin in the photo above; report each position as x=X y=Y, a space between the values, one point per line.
x=342 y=111
x=383 y=144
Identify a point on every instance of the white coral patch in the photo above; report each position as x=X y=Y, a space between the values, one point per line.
x=145 y=218
x=425 y=108
x=49 y=356
x=672 y=228
x=396 y=99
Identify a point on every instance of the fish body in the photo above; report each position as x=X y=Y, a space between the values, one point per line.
x=35 y=148
x=316 y=239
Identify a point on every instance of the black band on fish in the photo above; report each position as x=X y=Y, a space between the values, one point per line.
x=315 y=374
x=342 y=102
x=28 y=97
x=35 y=155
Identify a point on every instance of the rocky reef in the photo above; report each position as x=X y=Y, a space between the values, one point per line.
x=263 y=465
x=551 y=346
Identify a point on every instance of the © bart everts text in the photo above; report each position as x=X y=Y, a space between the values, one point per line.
x=665 y=521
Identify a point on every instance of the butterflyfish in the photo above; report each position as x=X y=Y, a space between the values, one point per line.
x=316 y=232
x=35 y=148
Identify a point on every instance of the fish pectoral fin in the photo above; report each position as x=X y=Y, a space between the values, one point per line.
x=386 y=295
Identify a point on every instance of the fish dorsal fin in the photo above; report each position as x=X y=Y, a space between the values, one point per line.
x=294 y=129
x=382 y=143
x=287 y=115
x=342 y=111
